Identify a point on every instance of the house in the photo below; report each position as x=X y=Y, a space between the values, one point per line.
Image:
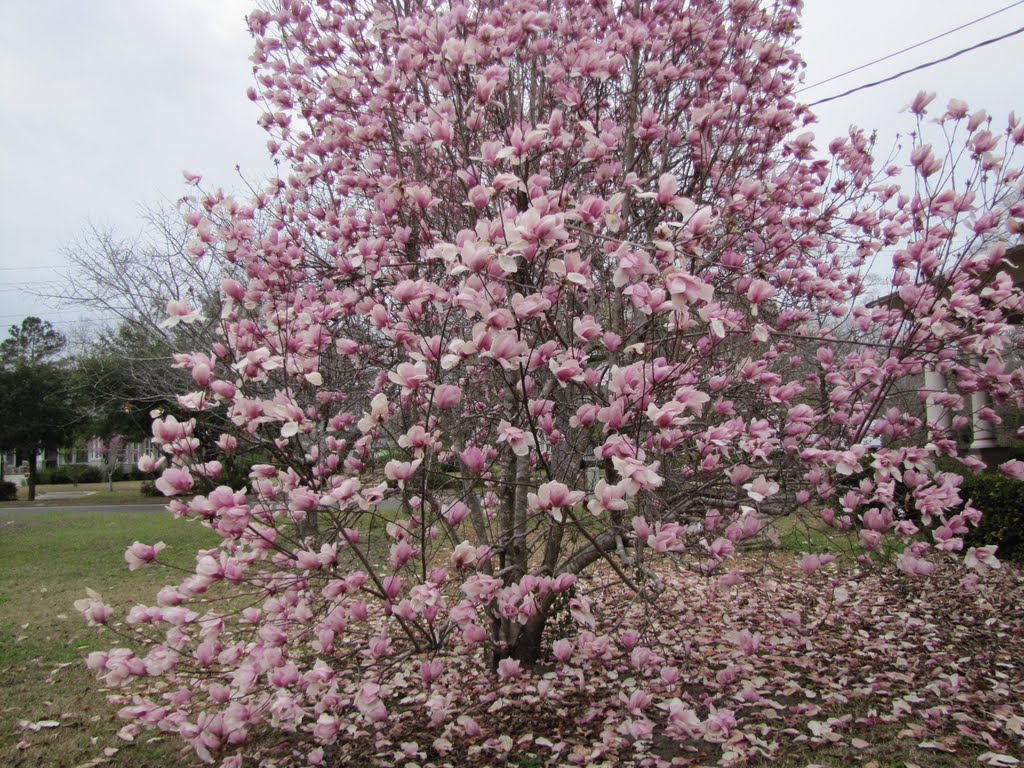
x=988 y=443
x=93 y=452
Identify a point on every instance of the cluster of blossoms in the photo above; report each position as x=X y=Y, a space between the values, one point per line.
x=550 y=287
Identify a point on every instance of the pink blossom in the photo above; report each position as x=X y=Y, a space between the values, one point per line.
x=607 y=498
x=921 y=100
x=982 y=559
x=1013 y=469
x=553 y=497
x=761 y=488
x=509 y=669
x=912 y=565
x=174 y=481
x=179 y=312
x=464 y=555
x=93 y=608
x=518 y=440
x=809 y=563
x=562 y=650
x=401 y=471
x=368 y=703
x=484 y=254
x=149 y=463
x=138 y=554
x=447 y=396
x=683 y=721
x=409 y=376
x=636 y=475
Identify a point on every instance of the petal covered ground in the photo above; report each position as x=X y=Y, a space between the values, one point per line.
x=773 y=667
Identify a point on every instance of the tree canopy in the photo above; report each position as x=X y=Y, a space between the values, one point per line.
x=33 y=341
x=37 y=398
x=559 y=307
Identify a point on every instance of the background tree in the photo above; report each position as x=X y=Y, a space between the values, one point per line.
x=520 y=239
x=111 y=452
x=37 y=400
x=124 y=373
x=126 y=366
x=31 y=342
x=129 y=279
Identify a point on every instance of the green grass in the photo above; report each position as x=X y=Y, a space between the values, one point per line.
x=48 y=559
x=804 y=532
x=124 y=492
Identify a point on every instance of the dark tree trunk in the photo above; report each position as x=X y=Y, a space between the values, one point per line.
x=528 y=644
x=31 y=475
x=309 y=526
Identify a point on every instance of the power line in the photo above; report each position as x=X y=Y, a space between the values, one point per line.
x=918 y=68
x=910 y=47
x=75 y=321
x=48 y=313
x=62 y=266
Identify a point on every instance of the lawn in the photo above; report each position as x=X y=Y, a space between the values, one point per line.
x=52 y=712
x=123 y=492
x=48 y=559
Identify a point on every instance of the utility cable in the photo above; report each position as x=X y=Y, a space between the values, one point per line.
x=911 y=47
x=918 y=68
x=61 y=266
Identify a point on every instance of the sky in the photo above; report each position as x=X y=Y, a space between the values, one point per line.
x=106 y=102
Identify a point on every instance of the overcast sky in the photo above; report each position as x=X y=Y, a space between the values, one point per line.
x=106 y=102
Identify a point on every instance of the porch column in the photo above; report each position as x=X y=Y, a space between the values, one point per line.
x=984 y=431
x=935 y=384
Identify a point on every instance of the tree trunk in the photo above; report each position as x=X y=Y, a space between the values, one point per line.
x=528 y=646
x=528 y=643
x=309 y=525
x=31 y=475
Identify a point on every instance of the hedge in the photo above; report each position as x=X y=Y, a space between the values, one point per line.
x=69 y=473
x=1001 y=501
x=83 y=473
x=8 y=491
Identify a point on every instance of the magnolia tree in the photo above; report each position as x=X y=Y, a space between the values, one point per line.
x=111 y=452
x=551 y=290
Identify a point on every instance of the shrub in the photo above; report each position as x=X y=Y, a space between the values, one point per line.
x=148 y=488
x=1001 y=501
x=129 y=473
x=235 y=471
x=8 y=491
x=69 y=473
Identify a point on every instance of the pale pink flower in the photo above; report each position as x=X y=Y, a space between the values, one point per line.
x=761 y=488
x=519 y=440
x=921 y=100
x=553 y=497
x=179 y=312
x=174 y=481
x=982 y=559
x=95 y=611
x=509 y=669
x=139 y=554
